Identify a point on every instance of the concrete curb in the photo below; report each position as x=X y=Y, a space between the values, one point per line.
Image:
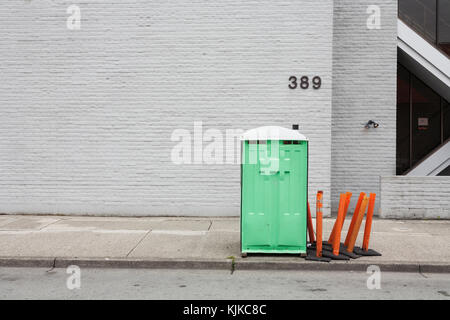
x=26 y=262
x=223 y=264
x=143 y=263
x=362 y=266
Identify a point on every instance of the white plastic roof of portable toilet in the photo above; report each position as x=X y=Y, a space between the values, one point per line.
x=272 y=133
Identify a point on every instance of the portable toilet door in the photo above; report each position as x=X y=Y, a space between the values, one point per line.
x=274 y=191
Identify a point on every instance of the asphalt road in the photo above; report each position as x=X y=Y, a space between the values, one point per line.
x=35 y=283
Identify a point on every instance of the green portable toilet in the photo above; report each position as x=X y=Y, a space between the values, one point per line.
x=274 y=191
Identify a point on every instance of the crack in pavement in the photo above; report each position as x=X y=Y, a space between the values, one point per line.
x=139 y=242
x=53 y=266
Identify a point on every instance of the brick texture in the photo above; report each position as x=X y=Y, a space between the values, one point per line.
x=415 y=197
x=87 y=115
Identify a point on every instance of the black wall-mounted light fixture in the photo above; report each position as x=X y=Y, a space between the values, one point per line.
x=371 y=124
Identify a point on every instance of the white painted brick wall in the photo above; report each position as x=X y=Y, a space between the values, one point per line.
x=87 y=115
x=415 y=197
x=364 y=88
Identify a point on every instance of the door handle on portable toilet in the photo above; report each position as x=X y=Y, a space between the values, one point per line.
x=267 y=172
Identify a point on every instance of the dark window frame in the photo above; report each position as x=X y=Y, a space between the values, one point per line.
x=442 y=103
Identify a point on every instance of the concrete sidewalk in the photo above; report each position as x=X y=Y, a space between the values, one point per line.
x=165 y=242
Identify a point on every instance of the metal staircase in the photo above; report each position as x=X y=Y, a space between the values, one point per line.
x=434 y=164
x=424 y=60
x=423 y=43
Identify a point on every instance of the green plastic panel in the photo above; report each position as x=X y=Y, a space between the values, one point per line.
x=274 y=180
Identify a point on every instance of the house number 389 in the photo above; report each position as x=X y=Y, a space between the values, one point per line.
x=304 y=82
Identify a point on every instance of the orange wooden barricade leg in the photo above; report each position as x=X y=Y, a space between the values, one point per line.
x=333 y=232
x=347 y=204
x=319 y=223
x=318 y=255
x=354 y=217
x=368 y=225
x=340 y=216
x=310 y=226
x=355 y=230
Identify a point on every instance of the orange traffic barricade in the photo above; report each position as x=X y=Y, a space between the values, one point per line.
x=334 y=254
x=317 y=255
x=319 y=205
x=310 y=226
x=354 y=232
x=365 y=251
x=333 y=248
x=347 y=203
x=354 y=218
